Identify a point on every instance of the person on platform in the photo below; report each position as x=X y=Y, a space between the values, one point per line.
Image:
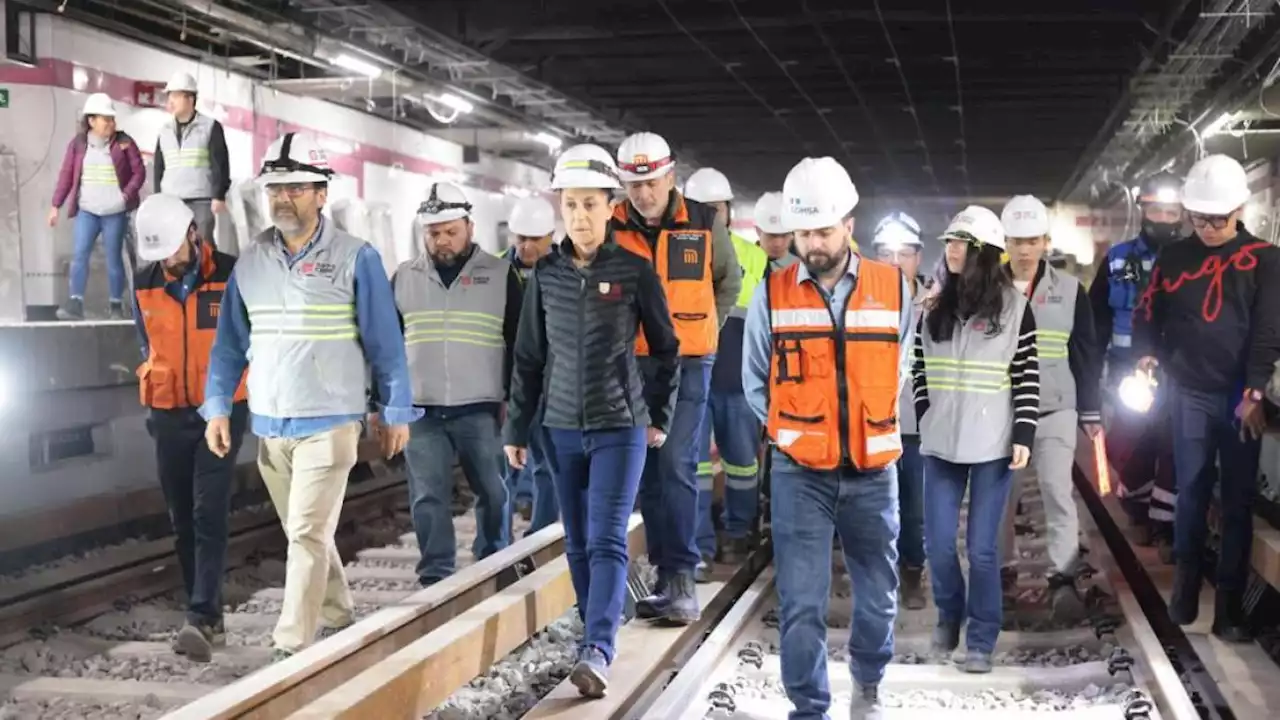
x=177 y=297
x=310 y=312
x=191 y=158
x=825 y=349
x=575 y=355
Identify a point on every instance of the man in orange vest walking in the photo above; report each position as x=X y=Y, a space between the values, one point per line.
x=825 y=348
x=696 y=262
x=177 y=298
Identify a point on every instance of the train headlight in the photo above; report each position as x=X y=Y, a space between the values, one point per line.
x=1138 y=391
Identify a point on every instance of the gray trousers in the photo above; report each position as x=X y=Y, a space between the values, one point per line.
x=204 y=219
x=1052 y=459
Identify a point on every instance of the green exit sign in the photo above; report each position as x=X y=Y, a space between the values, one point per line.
x=4 y=97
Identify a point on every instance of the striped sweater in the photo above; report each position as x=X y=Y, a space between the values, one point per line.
x=1022 y=381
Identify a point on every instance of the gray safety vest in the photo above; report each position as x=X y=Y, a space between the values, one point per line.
x=305 y=357
x=453 y=335
x=188 y=172
x=970 y=417
x=1054 y=305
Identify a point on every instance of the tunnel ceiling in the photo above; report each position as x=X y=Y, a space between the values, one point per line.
x=913 y=96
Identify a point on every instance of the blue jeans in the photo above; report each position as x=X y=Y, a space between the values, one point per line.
x=85 y=232
x=862 y=509
x=534 y=483
x=597 y=474
x=737 y=434
x=1204 y=429
x=989 y=486
x=911 y=488
x=669 y=490
x=433 y=442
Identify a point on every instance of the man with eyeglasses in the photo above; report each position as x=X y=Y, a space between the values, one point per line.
x=309 y=311
x=1210 y=320
x=1137 y=439
x=897 y=242
x=460 y=306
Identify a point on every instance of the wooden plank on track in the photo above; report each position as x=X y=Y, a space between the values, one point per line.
x=425 y=673
x=286 y=686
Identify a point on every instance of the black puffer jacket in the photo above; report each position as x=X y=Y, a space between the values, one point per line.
x=576 y=346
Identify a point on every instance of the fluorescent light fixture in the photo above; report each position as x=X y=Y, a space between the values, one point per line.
x=356 y=65
x=1218 y=125
x=455 y=102
x=552 y=142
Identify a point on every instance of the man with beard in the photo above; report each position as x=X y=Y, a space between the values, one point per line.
x=459 y=306
x=1138 y=443
x=309 y=311
x=825 y=349
x=176 y=298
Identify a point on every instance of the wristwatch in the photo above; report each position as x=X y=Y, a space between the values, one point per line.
x=1254 y=395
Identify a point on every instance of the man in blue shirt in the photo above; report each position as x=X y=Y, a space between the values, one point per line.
x=309 y=310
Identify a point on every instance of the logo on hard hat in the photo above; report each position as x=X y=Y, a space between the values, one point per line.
x=153 y=239
x=640 y=160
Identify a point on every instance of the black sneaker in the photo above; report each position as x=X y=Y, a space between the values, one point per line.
x=196 y=642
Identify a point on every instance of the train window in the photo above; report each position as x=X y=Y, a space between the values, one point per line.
x=53 y=446
x=20 y=35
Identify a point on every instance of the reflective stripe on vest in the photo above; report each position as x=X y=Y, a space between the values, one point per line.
x=1054 y=303
x=453 y=335
x=970 y=417
x=833 y=391
x=305 y=357
x=753 y=262
x=188 y=172
x=682 y=258
x=180 y=335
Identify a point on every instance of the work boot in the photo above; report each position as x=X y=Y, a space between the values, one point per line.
x=115 y=310
x=683 y=608
x=196 y=641
x=1230 y=621
x=591 y=673
x=911 y=588
x=1068 y=606
x=946 y=638
x=654 y=605
x=1184 y=601
x=977 y=662
x=865 y=704
x=72 y=310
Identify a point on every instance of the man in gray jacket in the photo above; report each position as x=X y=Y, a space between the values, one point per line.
x=460 y=307
x=191 y=159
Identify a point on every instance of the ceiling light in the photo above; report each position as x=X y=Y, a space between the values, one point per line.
x=356 y=65
x=552 y=142
x=1218 y=125
x=455 y=102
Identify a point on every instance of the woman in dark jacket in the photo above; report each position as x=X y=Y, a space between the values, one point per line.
x=101 y=176
x=575 y=351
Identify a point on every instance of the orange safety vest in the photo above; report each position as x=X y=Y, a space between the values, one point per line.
x=682 y=257
x=180 y=335
x=833 y=387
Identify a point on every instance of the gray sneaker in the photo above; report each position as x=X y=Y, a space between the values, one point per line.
x=977 y=662
x=72 y=310
x=196 y=642
x=865 y=704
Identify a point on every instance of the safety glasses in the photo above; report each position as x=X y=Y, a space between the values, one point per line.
x=1200 y=222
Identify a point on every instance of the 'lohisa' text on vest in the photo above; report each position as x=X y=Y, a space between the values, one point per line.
x=453 y=335
x=1054 y=305
x=970 y=417
x=187 y=170
x=305 y=358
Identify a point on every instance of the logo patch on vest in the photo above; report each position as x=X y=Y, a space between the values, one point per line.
x=686 y=255
x=610 y=291
x=318 y=269
x=474 y=280
x=208 y=307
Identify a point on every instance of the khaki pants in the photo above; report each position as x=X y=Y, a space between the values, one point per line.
x=307 y=480
x=1051 y=462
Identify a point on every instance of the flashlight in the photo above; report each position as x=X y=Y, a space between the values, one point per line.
x=1138 y=391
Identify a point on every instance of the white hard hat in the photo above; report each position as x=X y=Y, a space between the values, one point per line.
x=1024 y=216
x=585 y=166
x=897 y=230
x=162 y=225
x=817 y=193
x=708 y=185
x=1217 y=185
x=181 y=82
x=768 y=213
x=644 y=156
x=532 y=217
x=445 y=202
x=295 y=158
x=99 y=104
x=976 y=223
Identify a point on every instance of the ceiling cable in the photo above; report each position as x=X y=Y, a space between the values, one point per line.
x=911 y=105
x=959 y=108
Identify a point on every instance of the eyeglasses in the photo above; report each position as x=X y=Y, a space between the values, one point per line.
x=293 y=190
x=1200 y=222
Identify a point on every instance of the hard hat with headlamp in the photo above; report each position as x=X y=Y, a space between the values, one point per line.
x=295 y=158
x=1024 y=216
x=1216 y=186
x=1163 y=189
x=585 y=166
x=818 y=193
x=978 y=225
x=445 y=202
x=644 y=156
x=708 y=185
x=897 y=230
x=768 y=214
